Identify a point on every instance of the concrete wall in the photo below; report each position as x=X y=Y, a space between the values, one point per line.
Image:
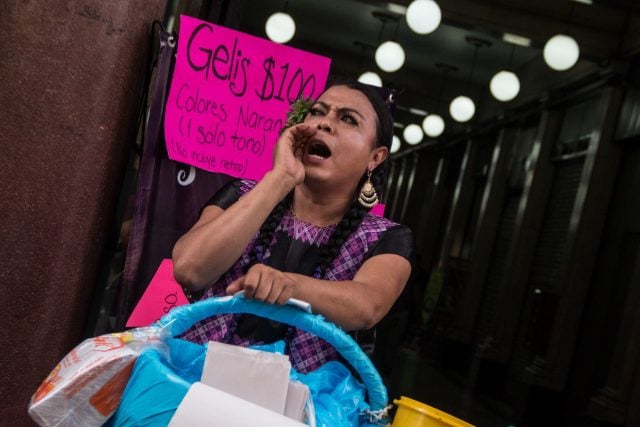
x=71 y=73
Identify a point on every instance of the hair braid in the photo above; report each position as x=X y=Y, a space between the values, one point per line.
x=349 y=223
x=263 y=240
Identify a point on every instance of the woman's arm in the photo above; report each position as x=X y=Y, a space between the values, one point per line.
x=220 y=236
x=355 y=304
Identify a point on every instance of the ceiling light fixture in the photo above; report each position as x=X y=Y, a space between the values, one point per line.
x=389 y=54
x=462 y=108
x=505 y=84
x=395 y=145
x=423 y=16
x=280 y=27
x=370 y=78
x=561 y=52
x=367 y=76
x=413 y=134
x=516 y=39
x=433 y=125
x=418 y=112
x=397 y=9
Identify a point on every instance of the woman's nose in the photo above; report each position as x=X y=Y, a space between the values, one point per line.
x=325 y=126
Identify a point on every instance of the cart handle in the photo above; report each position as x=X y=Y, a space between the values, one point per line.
x=180 y=319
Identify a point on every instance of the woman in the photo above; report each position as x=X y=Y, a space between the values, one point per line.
x=304 y=231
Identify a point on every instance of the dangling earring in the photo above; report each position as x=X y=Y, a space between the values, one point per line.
x=368 y=197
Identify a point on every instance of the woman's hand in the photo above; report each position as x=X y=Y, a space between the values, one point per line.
x=264 y=284
x=289 y=151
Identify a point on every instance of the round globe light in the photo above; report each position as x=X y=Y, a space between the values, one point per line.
x=413 y=134
x=561 y=52
x=390 y=56
x=423 y=16
x=433 y=125
x=370 y=78
x=505 y=86
x=280 y=27
x=395 y=144
x=462 y=109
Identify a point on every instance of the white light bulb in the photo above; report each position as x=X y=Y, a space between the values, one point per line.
x=423 y=16
x=561 y=52
x=433 y=125
x=505 y=86
x=280 y=27
x=413 y=134
x=370 y=78
x=390 y=56
x=395 y=144
x=462 y=109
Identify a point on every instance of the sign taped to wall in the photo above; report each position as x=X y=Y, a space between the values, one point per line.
x=229 y=96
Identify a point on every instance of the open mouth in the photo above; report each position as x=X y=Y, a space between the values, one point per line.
x=319 y=149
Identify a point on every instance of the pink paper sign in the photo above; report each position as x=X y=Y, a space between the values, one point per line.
x=229 y=97
x=162 y=295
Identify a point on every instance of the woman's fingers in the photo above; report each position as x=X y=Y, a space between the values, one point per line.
x=284 y=295
x=264 y=284
x=251 y=282
x=235 y=286
x=296 y=136
x=264 y=287
x=302 y=130
x=274 y=295
x=300 y=134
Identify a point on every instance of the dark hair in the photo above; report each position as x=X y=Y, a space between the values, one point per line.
x=352 y=219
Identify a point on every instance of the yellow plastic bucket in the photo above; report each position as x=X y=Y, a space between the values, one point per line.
x=412 y=413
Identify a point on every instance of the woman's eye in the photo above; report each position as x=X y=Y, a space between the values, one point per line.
x=315 y=111
x=348 y=118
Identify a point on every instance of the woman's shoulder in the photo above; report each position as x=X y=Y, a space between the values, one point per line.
x=387 y=236
x=374 y=228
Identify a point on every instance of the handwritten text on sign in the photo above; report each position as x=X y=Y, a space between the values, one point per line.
x=161 y=296
x=229 y=97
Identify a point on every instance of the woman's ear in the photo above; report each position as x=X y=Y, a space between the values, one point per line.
x=378 y=155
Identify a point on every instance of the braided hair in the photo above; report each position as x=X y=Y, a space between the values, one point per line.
x=349 y=223
x=356 y=213
x=268 y=228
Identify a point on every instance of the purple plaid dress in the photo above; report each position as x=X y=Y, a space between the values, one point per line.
x=295 y=248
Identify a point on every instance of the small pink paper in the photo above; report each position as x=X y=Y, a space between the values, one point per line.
x=162 y=295
x=377 y=210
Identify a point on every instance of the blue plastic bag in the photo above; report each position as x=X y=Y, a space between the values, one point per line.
x=159 y=383
x=337 y=397
x=157 y=386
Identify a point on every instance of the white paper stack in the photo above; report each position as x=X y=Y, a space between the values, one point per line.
x=207 y=406
x=242 y=387
x=256 y=376
x=297 y=396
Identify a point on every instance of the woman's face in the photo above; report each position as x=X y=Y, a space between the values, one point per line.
x=343 y=146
